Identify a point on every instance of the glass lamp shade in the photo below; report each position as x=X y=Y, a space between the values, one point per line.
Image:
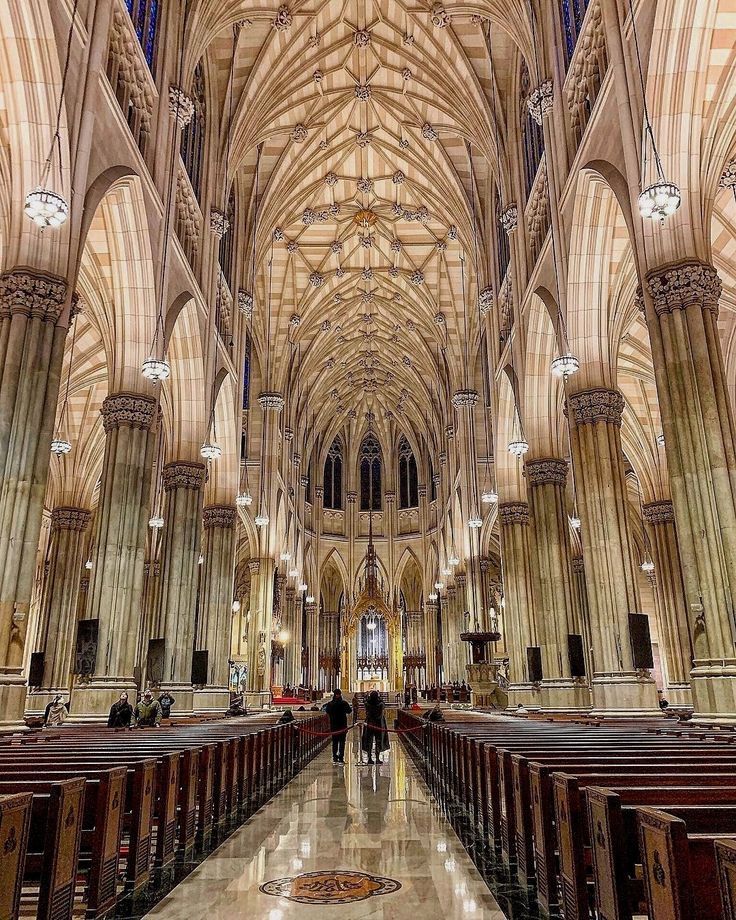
x=285 y=556
x=310 y=598
x=518 y=448
x=156 y=522
x=45 y=208
x=475 y=522
x=200 y=561
x=88 y=564
x=438 y=586
x=60 y=446
x=261 y=520
x=155 y=369
x=236 y=606
x=210 y=451
x=489 y=497
x=660 y=440
x=575 y=523
x=647 y=566
x=243 y=499
x=293 y=573
x=433 y=596
x=565 y=365
x=371 y=625
x=284 y=635
x=659 y=201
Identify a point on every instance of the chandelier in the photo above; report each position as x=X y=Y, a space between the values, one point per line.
x=261 y=519
x=156 y=522
x=518 y=447
x=60 y=446
x=156 y=369
x=565 y=366
x=210 y=450
x=243 y=499
x=489 y=497
x=46 y=208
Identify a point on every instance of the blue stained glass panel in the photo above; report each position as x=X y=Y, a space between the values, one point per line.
x=150 y=45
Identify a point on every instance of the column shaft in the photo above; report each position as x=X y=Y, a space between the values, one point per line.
x=518 y=622
x=259 y=628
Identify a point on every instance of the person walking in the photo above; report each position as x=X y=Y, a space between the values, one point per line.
x=147 y=713
x=121 y=713
x=375 y=733
x=338 y=711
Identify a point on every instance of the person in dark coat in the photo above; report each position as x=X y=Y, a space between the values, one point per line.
x=121 y=713
x=435 y=715
x=338 y=711
x=166 y=701
x=286 y=717
x=375 y=733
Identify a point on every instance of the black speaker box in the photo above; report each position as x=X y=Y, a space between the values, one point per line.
x=199 y=667
x=641 y=643
x=534 y=663
x=35 y=670
x=576 y=655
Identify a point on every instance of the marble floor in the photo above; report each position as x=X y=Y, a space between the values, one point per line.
x=359 y=831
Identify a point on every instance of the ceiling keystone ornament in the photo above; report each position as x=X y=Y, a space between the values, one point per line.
x=396 y=209
x=314 y=40
x=365 y=185
x=403 y=143
x=363 y=138
x=338 y=274
x=334 y=209
x=367 y=274
x=338 y=299
x=439 y=319
x=728 y=179
x=245 y=303
x=406 y=360
x=411 y=325
x=323 y=145
x=441 y=245
x=278 y=234
x=395 y=245
x=510 y=218
x=292 y=246
x=452 y=232
x=362 y=38
x=406 y=74
x=219 y=224
x=363 y=92
x=398 y=177
x=330 y=363
x=318 y=76
x=336 y=246
x=416 y=277
x=366 y=241
x=429 y=133
x=540 y=101
x=440 y=16
x=299 y=133
x=295 y=320
x=408 y=39
x=331 y=179
x=325 y=326
x=316 y=279
x=283 y=19
x=310 y=216
x=181 y=106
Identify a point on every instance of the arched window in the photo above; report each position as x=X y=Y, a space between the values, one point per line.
x=532 y=135
x=370 y=475
x=226 y=243
x=192 y=137
x=333 y=477
x=408 y=488
x=145 y=16
x=573 y=13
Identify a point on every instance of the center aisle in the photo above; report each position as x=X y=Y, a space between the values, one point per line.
x=369 y=839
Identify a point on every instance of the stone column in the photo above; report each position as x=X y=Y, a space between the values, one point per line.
x=669 y=591
x=555 y=595
x=293 y=647
x=451 y=635
x=183 y=483
x=31 y=353
x=259 y=631
x=215 y=605
x=464 y=603
x=313 y=643
x=681 y=308
x=518 y=613
x=581 y=593
x=430 y=642
x=116 y=584
x=595 y=436
x=58 y=632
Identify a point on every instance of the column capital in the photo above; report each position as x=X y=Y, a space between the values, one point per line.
x=659 y=512
x=130 y=410
x=312 y=607
x=289 y=594
x=683 y=284
x=546 y=469
x=184 y=474
x=218 y=516
x=33 y=294
x=431 y=606
x=390 y=497
x=181 y=106
x=319 y=492
x=513 y=513
x=539 y=101
x=254 y=566
x=219 y=224
x=269 y=400
x=67 y=518
x=510 y=218
x=578 y=565
x=599 y=404
x=450 y=432
x=465 y=399
x=461 y=579
x=352 y=497
x=422 y=491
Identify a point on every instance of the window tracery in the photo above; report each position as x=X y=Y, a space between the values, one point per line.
x=192 y=137
x=408 y=479
x=144 y=15
x=370 y=474
x=532 y=133
x=333 y=477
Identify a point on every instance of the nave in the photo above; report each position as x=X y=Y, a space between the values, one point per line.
x=379 y=820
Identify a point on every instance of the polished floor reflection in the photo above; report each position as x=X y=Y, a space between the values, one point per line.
x=369 y=839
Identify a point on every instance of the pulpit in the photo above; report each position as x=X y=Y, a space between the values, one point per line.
x=483 y=672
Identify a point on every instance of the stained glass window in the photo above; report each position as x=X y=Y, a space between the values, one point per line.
x=333 y=477
x=370 y=475
x=145 y=17
x=192 y=137
x=573 y=13
x=408 y=482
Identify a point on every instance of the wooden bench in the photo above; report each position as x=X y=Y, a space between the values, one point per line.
x=15 y=825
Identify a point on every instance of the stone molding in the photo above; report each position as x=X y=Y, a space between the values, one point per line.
x=513 y=513
x=450 y=432
x=465 y=399
x=683 y=284
x=352 y=497
x=32 y=294
x=598 y=404
x=219 y=516
x=461 y=580
x=547 y=469
x=659 y=512
x=728 y=177
x=510 y=218
x=183 y=474
x=67 y=518
x=273 y=401
x=219 y=224
x=132 y=410
x=390 y=497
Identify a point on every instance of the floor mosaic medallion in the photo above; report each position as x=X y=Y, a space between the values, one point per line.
x=338 y=886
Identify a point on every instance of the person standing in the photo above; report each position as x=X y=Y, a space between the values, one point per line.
x=121 y=713
x=56 y=712
x=166 y=701
x=375 y=733
x=147 y=713
x=338 y=711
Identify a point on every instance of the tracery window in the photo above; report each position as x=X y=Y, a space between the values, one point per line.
x=333 y=477
x=573 y=13
x=145 y=17
x=370 y=475
x=532 y=134
x=225 y=256
x=408 y=481
x=192 y=137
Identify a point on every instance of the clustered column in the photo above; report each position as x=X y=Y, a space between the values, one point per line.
x=259 y=630
x=116 y=584
x=183 y=483
x=31 y=353
x=518 y=619
x=595 y=435
x=215 y=608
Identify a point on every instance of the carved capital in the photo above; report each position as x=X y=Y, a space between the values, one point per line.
x=352 y=497
x=596 y=405
x=578 y=566
x=540 y=101
x=660 y=512
x=684 y=284
x=245 y=303
x=390 y=497
x=183 y=474
x=32 y=294
x=510 y=218
x=181 y=106
x=513 y=513
x=273 y=401
x=465 y=399
x=485 y=301
x=461 y=579
x=129 y=410
x=728 y=177
x=254 y=566
x=549 y=469
x=219 y=224
x=219 y=516
x=63 y=518
x=450 y=432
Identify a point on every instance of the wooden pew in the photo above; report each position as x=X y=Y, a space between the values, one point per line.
x=15 y=824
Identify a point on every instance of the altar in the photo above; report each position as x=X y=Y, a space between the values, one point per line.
x=365 y=686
